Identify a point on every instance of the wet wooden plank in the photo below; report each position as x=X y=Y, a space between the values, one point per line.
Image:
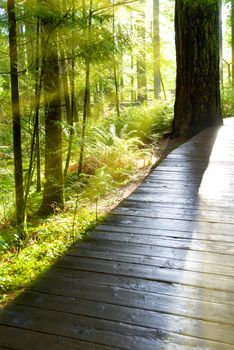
x=160 y=261
x=140 y=300
x=31 y=340
x=136 y=316
x=141 y=284
x=172 y=224
x=154 y=251
x=99 y=331
x=179 y=214
x=125 y=230
x=171 y=211
x=190 y=243
x=147 y=272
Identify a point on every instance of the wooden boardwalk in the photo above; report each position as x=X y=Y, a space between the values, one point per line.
x=158 y=274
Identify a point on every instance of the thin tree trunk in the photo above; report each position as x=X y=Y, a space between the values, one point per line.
x=163 y=86
x=72 y=101
x=116 y=80
x=38 y=90
x=72 y=76
x=141 y=80
x=141 y=65
x=19 y=190
x=69 y=111
x=220 y=43
x=156 y=49
x=35 y=143
x=86 y=107
x=133 y=96
x=68 y=102
x=232 y=25
x=85 y=116
x=68 y=108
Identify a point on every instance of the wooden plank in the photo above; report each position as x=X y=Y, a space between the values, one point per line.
x=180 y=243
x=164 y=233
x=98 y=331
x=172 y=224
x=141 y=284
x=132 y=315
x=21 y=339
x=178 y=214
x=155 y=251
x=191 y=210
x=172 y=305
x=17 y=338
x=147 y=272
x=163 y=197
x=179 y=264
x=172 y=192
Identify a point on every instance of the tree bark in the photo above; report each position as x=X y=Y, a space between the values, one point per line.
x=197 y=103
x=18 y=169
x=53 y=187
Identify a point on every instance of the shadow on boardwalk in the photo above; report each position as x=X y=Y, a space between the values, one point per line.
x=157 y=274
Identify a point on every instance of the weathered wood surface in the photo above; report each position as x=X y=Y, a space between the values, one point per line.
x=158 y=274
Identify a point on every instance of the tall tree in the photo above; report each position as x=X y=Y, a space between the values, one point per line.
x=87 y=104
x=19 y=190
x=220 y=41
x=116 y=80
x=141 y=61
x=197 y=103
x=156 y=48
x=232 y=25
x=53 y=187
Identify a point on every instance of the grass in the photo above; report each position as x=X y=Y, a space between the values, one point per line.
x=47 y=240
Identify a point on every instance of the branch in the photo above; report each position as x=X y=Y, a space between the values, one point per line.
x=110 y=7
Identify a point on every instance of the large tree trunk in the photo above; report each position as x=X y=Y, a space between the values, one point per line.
x=53 y=188
x=156 y=48
x=197 y=104
x=18 y=170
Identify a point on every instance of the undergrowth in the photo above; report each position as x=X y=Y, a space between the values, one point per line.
x=228 y=100
x=116 y=148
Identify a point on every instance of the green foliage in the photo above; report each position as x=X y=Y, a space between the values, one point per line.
x=6 y=139
x=6 y=182
x=145 y=123
x=46 y=242
x=228 y=100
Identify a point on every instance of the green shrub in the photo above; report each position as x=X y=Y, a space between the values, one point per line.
x=145 y=123
x=228 y=101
